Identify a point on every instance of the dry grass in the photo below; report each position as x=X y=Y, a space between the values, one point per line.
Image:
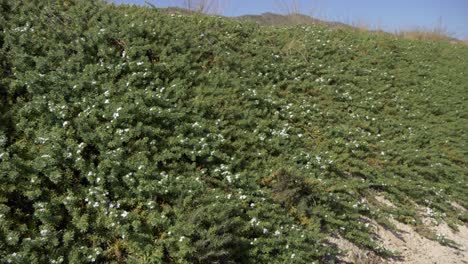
x=428 y=35
x=289 y=7
x=365 y=258
x=216 y=7
x=361 y=25
x=438 y=33
x=294 y=11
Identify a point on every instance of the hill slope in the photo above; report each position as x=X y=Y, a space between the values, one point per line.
x=131 y=135
x=272 y=19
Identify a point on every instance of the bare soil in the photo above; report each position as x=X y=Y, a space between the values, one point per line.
x=412 y=247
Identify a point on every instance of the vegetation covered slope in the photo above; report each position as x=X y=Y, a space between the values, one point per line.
x=132 y=135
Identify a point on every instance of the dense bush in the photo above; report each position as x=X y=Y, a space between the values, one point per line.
x=132 y=135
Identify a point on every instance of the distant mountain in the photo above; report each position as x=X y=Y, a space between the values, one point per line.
x=272 y=19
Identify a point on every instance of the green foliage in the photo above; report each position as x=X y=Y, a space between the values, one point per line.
x=132 y=135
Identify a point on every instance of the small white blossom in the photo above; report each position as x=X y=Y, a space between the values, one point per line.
x=124 y=214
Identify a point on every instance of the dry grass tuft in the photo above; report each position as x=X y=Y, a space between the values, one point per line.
x=293 y=11
x=365 y=258
x=215 y=7
x=428 y=35
x=289 y=7
x=438 y=33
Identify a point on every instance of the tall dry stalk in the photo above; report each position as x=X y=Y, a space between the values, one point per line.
x=439 y=32
x=295 y=11
x=204 y=6
x=291 y=7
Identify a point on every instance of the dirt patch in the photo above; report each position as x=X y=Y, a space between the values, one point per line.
x=381 y=199
x=412 y=247
x=415 y=248
x=354 y=254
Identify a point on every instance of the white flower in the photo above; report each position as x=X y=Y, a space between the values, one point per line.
x=44 y=232
x=253 y=221
x=321 y=79
x=181 y=238
x=124 y=214
x=293 y=255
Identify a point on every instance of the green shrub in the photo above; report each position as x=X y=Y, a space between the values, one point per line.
x=131 y=135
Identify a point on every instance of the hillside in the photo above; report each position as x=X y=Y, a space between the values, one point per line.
x=272 y=19
x=130 y=135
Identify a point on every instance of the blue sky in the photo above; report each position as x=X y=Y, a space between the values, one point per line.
x=390 y=15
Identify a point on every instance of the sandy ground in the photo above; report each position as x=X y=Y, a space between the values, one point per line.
x=413 y=248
